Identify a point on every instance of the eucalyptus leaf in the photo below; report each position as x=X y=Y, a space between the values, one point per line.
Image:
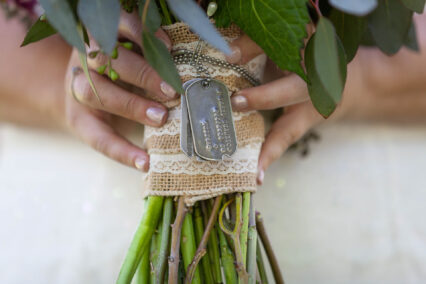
x=389 y=25
x=324 y=101
x=411 y=39
x=40 y=30
x=153 y=17
x=61 y=17
x=350 y=30
x=277 y=26
x=101 y=18
x=415 y=5
x=189 y=12
x=326 y=58
x=355 y=7
x=158 y=56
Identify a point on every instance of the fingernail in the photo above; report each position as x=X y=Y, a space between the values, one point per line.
x=167 y=90
x=156 y=114
x=235 y=55
x=260 y=176
x=239 y=102
x=140 y=164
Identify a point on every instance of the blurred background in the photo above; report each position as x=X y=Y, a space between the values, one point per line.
x=351 y=211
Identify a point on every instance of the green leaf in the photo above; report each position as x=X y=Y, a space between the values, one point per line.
x=158 y=56
x=326 y=58
x=325 y=96
x=415 y=5
x=389 y=25
x=350 y=30
x=354 y=7
x=411 y=39
x=61 y=17
x=40 y=30
x=189 y=12
x=277 y=26
x=153 y=17
x=101 y=18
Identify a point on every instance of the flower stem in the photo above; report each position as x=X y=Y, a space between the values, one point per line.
x=153 y=255
x=165 y=237
x=167 y=19
x=268 y=249
x=261 y=265
x=251 y=246
x=141 y=239
x=244 y=228
x=212 y=245
x=175 y=243
x=188 y=246
x=142 y=274
x=227 y=260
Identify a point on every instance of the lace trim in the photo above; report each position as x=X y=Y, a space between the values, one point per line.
x=243 y=161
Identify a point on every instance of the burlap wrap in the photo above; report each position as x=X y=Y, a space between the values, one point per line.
x=172 y=173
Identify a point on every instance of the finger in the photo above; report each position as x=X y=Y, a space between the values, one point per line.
x=104 y=139
x=286 y=91
x=289 y=128
x=243 y=50
x=135 y=70
x=130 y=27
x=118 y=101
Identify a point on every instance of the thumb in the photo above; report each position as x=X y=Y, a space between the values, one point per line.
x=243 y=50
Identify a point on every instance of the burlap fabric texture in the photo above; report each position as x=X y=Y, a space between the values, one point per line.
x=171 y=172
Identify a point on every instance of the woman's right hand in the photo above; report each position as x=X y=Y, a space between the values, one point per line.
x=90 y=119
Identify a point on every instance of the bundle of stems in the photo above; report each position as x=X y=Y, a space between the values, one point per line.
x=214 y=241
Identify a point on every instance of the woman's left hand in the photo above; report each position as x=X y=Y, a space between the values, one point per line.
x=289 y=91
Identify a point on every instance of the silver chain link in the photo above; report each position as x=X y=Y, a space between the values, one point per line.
x=184 y=56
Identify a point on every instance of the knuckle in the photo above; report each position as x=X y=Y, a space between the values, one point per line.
x=143 y=75
x=130 y=106
x=101 y=145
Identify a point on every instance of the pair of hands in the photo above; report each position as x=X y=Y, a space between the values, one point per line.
x=91 y=120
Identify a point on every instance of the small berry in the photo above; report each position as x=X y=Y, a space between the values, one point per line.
x=113 y=75
x=114 y=53
x=101 y=69
x=127 y=45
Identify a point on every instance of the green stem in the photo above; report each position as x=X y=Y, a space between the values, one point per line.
x=141 y=239
x=166 y=14
x=142 y=274
x=227 y=260
x=199 y=232
x=251 y=245
x=244 y=228
x=153 y=255
x=212 y=245
x=188 y=246
x=165 y=237
x=261 y=265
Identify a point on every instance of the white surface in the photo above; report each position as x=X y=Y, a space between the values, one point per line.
x=351 y=212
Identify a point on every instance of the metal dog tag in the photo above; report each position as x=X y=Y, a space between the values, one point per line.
x=186 y=141
x=210 y=116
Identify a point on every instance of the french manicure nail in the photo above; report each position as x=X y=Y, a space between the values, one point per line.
x=235 y=55
x=167 y=90
x=239 y=102
x=156 y=114
x=260 y=176
x=140 y=163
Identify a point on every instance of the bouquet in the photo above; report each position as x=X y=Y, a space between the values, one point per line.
x=200 y=224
